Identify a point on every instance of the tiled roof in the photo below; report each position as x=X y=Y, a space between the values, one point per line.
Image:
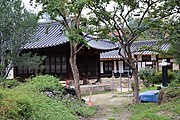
x=110 y=54
x=136 y=46
x=54 y=36
x=102 y=44
x=150 y=43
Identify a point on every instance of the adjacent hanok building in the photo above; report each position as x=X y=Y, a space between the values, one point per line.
x=56 y=47
x=112 y=62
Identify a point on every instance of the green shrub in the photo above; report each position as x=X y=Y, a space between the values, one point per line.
x=176 y=82
x=25 y=109
x=17 y=109
x=78 y=107
x=28 y=105
x=150 y=77
x=46 y=83
x=146 y=76
x=9 y=83
x=172 y=93
x=1 y=68
x=171 y=76
x=27 y=102
x=157 y=78
x=1 y=97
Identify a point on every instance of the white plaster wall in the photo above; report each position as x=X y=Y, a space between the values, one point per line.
x=139 y=66
x=153 y=57
x=175 y=66
x=101 y=67
x=172 y=60
x=148 y=63
x=143 y=65
x=160 y=67
x=120 y=66
x=115 y=67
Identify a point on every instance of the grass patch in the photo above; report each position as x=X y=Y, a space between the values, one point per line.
x=146 y=111
x=150 y=88
x=111 y=119
x=116 y=109
x=152 y=111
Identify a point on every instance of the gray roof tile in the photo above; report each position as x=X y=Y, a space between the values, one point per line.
x=54 y=36
x=135 y=47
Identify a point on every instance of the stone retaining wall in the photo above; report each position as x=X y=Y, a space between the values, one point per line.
x=106 y=84
x=85 y=89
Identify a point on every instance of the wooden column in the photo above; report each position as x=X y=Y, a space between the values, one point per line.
x=115 y=67
x=101 y=67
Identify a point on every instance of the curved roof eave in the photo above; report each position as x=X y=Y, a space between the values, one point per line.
x=54 y=37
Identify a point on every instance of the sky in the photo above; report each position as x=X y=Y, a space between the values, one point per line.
x=38 y=8
x=35 y=10
x=31 y=8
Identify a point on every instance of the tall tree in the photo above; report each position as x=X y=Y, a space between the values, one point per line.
x=125 y=27
x=172 y=27
x=68 y=13
x=17 y=26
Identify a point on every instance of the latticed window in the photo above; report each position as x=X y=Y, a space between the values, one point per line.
x=47 y=64
x=56 y=64
x=108 y=66
x=53 y=64
x=64 y=64
x=146 y=58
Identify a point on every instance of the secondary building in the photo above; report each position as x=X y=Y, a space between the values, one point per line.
x=112 y=62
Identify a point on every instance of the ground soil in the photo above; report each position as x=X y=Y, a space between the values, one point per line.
x=110 y=106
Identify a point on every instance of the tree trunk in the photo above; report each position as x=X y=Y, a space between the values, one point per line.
x=75 y=71
x=136 y=86
x=7 y=70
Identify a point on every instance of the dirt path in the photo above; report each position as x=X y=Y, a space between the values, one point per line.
x=110 y=106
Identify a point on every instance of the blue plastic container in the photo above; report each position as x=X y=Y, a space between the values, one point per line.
x=149 y=96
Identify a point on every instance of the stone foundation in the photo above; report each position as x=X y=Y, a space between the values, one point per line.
x=85 y=89
x=105 y=84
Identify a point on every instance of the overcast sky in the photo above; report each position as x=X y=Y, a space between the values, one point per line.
x=31 y=8
x=38 y=8
x=35 y=10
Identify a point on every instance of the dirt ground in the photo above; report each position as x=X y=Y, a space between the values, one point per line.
x=110 y=106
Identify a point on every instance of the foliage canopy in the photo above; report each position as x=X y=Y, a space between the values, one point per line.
x=17 y=28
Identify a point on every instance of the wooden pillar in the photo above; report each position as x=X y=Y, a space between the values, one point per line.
x=115 y=67
x=120 y=66
x=157 y=63
x=98 y=65
x=101 y=67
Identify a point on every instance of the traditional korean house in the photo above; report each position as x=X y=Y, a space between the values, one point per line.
x=56 y=47
x=112 y=62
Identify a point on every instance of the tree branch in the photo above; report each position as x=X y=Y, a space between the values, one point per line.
x=64 y=18
x=77 y=21
x=126 y=23
x=79 y=49
x=146 y=10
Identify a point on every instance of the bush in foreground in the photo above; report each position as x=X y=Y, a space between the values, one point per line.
x=28 y=102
